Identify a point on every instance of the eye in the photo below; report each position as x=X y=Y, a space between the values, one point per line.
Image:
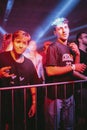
x=60 y=28
x=66 y=26
x=18 y=41
x=25 y=43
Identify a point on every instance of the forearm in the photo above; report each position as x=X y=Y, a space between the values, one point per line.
x=33 y=94
x=1 y=73
x=58 y=70
x=79 y=75
x=77 y=58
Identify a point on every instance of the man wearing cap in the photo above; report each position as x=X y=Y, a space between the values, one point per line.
x=62 y=59
x=16 y=70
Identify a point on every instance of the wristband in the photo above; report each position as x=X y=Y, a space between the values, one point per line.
x=73 y=67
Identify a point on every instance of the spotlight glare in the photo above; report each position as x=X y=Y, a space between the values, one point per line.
x=62 y=10
x=8 y=9
x=2 y=31
x=78 y=28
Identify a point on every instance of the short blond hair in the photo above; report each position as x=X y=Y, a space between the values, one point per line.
x=22 y=35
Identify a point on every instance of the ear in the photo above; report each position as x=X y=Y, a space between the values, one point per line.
x=55 y=33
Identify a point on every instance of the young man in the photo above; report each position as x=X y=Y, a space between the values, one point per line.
x=81 y=40
x=16 y=70
x=62 y=59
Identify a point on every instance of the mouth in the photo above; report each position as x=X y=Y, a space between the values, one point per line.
x=64 y=34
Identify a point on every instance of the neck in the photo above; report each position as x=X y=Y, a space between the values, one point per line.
x=63 y=42
x=82 y=47
x=18 y=58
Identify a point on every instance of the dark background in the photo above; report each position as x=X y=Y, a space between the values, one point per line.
x=30 y=14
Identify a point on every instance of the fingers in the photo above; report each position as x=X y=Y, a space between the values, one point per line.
x=5 y=72
x=80 y=67
x=30 y=113
x=83 y=68
x=6 y=69
x=74 y=48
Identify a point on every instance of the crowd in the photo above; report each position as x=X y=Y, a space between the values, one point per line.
x=59 y=61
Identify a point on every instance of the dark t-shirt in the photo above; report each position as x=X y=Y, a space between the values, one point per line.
x=59 y=55
x=25 y=74
x=83 y=59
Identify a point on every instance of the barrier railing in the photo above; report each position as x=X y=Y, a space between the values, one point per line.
x=38 y=120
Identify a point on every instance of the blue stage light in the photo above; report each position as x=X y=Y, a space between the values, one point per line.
x=61 y=10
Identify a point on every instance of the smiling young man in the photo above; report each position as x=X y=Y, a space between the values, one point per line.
x=62 y=59
x=16 y=70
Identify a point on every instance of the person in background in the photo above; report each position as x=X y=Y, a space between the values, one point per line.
x=43 y=54
x=81 y=40
x=62 y=59
x=36 y=58
x=17 y=70
x=7 y=42
x=44 y=51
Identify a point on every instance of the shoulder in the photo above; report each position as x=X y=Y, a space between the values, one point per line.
x=28 y=60
x=28 y=63
x=6 y=53
x=53 y=47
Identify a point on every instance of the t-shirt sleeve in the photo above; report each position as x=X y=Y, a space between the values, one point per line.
x=51 y=56
x=34 y=76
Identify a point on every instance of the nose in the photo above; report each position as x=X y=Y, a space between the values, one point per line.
x=21 y=45
x=63 y=29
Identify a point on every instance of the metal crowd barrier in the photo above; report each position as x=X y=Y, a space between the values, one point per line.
x=77 y=91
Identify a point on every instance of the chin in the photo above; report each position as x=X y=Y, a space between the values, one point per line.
x=64 y=39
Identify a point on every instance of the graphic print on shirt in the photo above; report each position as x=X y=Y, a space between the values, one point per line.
x=13 y=79
x=67 y=58
x=21 y=78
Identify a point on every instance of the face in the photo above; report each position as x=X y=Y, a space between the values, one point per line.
x=19 y=45
x=84 y=38
x=32 y=46
x=62 y=31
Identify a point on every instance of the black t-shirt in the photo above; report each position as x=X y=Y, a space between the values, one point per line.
x=83 y=59
x=25 y=74
x=59 y=55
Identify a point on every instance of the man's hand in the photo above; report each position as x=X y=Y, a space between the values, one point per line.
x=5 y=72
x=32 y=110
x=74 y=48
x=80 y=67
